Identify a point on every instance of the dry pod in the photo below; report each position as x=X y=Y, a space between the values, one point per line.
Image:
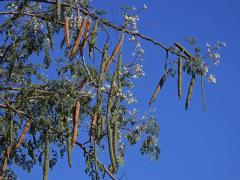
x=190 y=89
x=115 y=52
x=77 y=42
x=6 y=158
x=180 y=76
x=46 y=157
x=20 y=140
x=85 y=38
x=158 y=88
x=67 y=31
x=76 y=112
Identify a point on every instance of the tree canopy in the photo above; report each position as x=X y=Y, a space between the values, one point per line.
x=64 y=84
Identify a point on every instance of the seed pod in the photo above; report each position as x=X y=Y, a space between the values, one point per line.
x=46 y=157
x=87 y=32
x=99 y=91
x=67 y=31
x=110 y=145
x=93 y=127
x=11 y=129
x=190 y=89
x=180 y=77
x=6 y=158
x=69 y=147
x=20 y=140
x=77 y=42
x=109 y=128
x=93 y=38
x=158 y=88
x=203 y=96
x=58 y=9
x=115 y=52
x=76 y=113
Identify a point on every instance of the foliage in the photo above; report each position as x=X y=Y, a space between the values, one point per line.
x=61 y=78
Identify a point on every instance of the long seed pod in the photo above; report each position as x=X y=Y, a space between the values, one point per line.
x=46 y=157
x=6 y=158
x=115 y=52
x=203 y=96
x=20 y=140
x=115 y=114
x=58 y=9
x=93 y=37
x=93 y=126
x=11 y=129
x=96 y=125
x=87 y=32
x=75 y=123
x=180 y=76
x=77 y=42
x=190 y=89
x=158 y=88
x=109 y=128
x=69 y=147
x=67 y=31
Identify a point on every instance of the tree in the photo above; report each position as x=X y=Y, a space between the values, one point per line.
x=86 y=103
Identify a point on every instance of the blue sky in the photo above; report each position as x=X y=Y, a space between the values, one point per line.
x=195 y=145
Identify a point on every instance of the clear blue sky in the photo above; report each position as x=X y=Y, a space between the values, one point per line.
x=195 y=145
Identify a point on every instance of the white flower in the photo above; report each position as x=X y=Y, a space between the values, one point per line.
x=208 y=45
x=144 y=6
x=216 y=62
x=212 y=78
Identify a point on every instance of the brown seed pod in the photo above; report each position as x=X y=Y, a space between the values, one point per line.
x=6 y=157
x=180 y=77
x=115 y=52
x=20 y=140
x=67 y=31
x=77 y=42
x=190 y=89
x=76 y=111
x=87 y=32
x=46 y=157
x=158 y=88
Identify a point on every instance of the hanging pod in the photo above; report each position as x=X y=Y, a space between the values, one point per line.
x=76 y=112
x=69 y=147
x=24 y=132
x=46 y=156
x=67 y=31
x=158 y=88
x=93 y=38
x=85 y=38
x=58 y=9
x=190 y=89
x=180 y=77
x=203 y=96
x=77 y=41
x=109 y=128
x=95 y=124
x=115 y=52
